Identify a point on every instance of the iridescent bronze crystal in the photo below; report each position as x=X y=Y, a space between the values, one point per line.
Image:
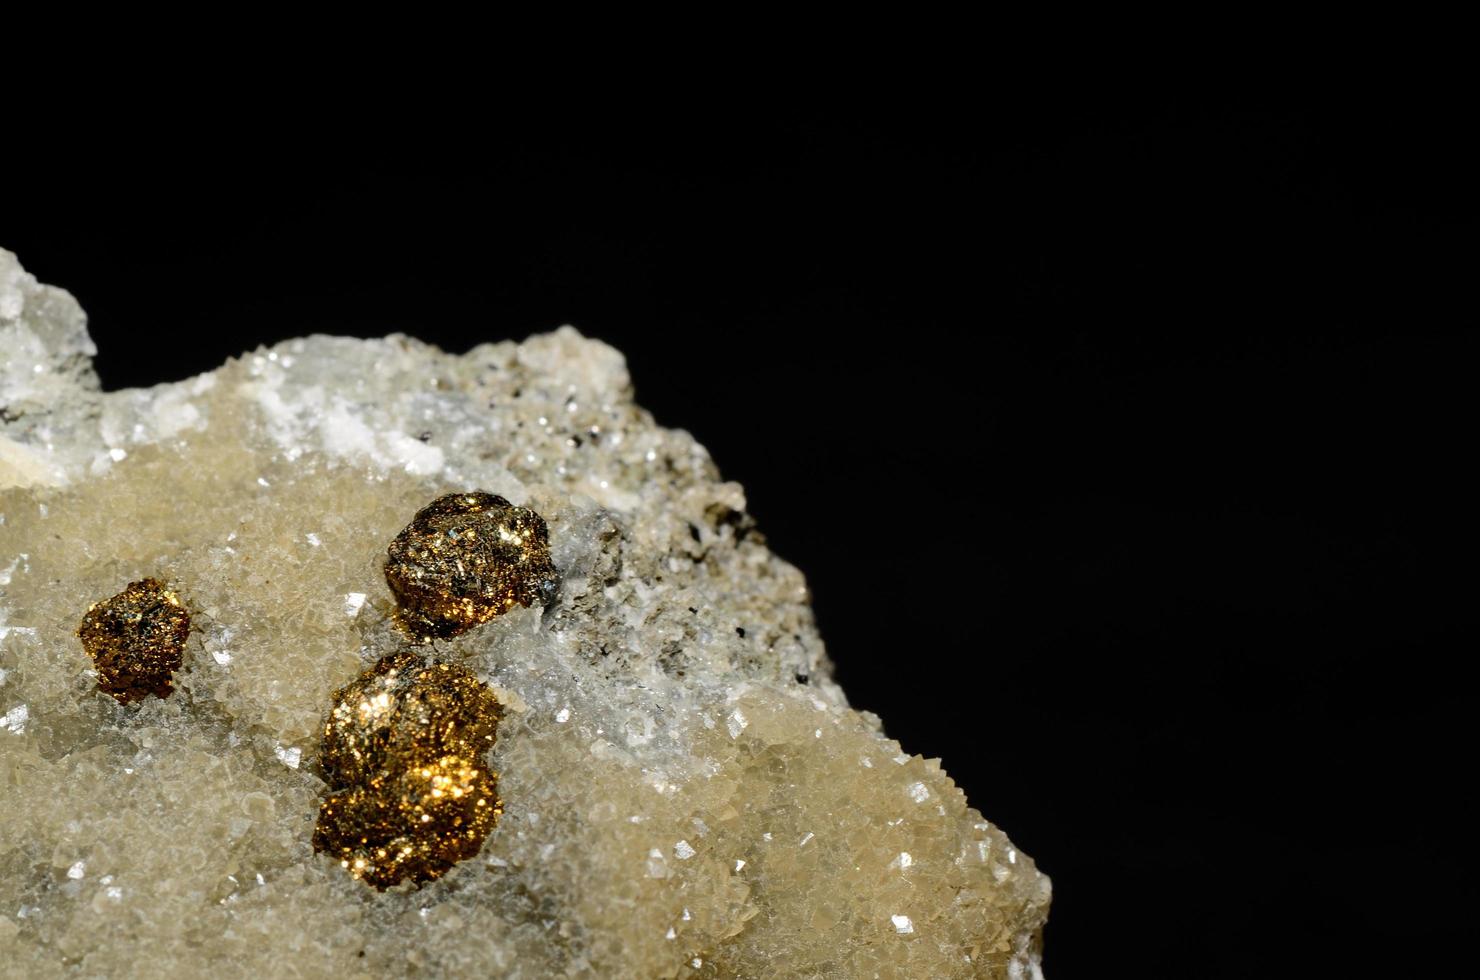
x=136 y=640
x=404 y=751
x=464 y=559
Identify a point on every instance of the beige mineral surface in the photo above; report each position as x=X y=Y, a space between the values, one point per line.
x=677 y=802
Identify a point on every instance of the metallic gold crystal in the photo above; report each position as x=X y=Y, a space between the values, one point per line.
x=404 y=749
x=412 y=823
x=136 y=640
x=405 y=708
x=464 y=559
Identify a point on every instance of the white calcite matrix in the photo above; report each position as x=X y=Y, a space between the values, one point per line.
x=686 y=790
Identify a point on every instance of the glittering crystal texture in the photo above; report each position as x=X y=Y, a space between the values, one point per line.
x=136 y=640
x=407 y=741
x=675 y=803
x=464 y=559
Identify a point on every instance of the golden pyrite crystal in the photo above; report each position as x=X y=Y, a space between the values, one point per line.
x=136 y=640
x=466 y=558
x=404 y=749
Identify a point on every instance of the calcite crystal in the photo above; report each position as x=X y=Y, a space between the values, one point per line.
x=675 y=802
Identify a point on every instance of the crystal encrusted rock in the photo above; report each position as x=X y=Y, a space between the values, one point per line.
x=675 y=803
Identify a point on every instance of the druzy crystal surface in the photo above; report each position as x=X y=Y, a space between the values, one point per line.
x=675 y=802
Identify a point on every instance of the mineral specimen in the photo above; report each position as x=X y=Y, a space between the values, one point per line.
x=405 y=743
x=464 y=559
x=402 y=709
x=410 y=824
x=136 y=640
x=675 y=803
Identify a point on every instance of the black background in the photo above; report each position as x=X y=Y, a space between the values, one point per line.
x=1170 y=388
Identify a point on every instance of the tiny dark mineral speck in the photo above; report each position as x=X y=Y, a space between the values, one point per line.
x=464 y=559
x=136 y=640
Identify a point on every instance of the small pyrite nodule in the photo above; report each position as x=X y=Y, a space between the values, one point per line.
x=136 y=640
x=404 y=751
x=464 y=559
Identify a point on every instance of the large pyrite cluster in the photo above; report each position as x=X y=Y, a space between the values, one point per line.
x=404 y=749
x=404 y=746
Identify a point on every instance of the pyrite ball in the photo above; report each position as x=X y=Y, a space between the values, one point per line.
x=404 y=752
x=464 y=559
x=404 y=709
x=136 y=640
